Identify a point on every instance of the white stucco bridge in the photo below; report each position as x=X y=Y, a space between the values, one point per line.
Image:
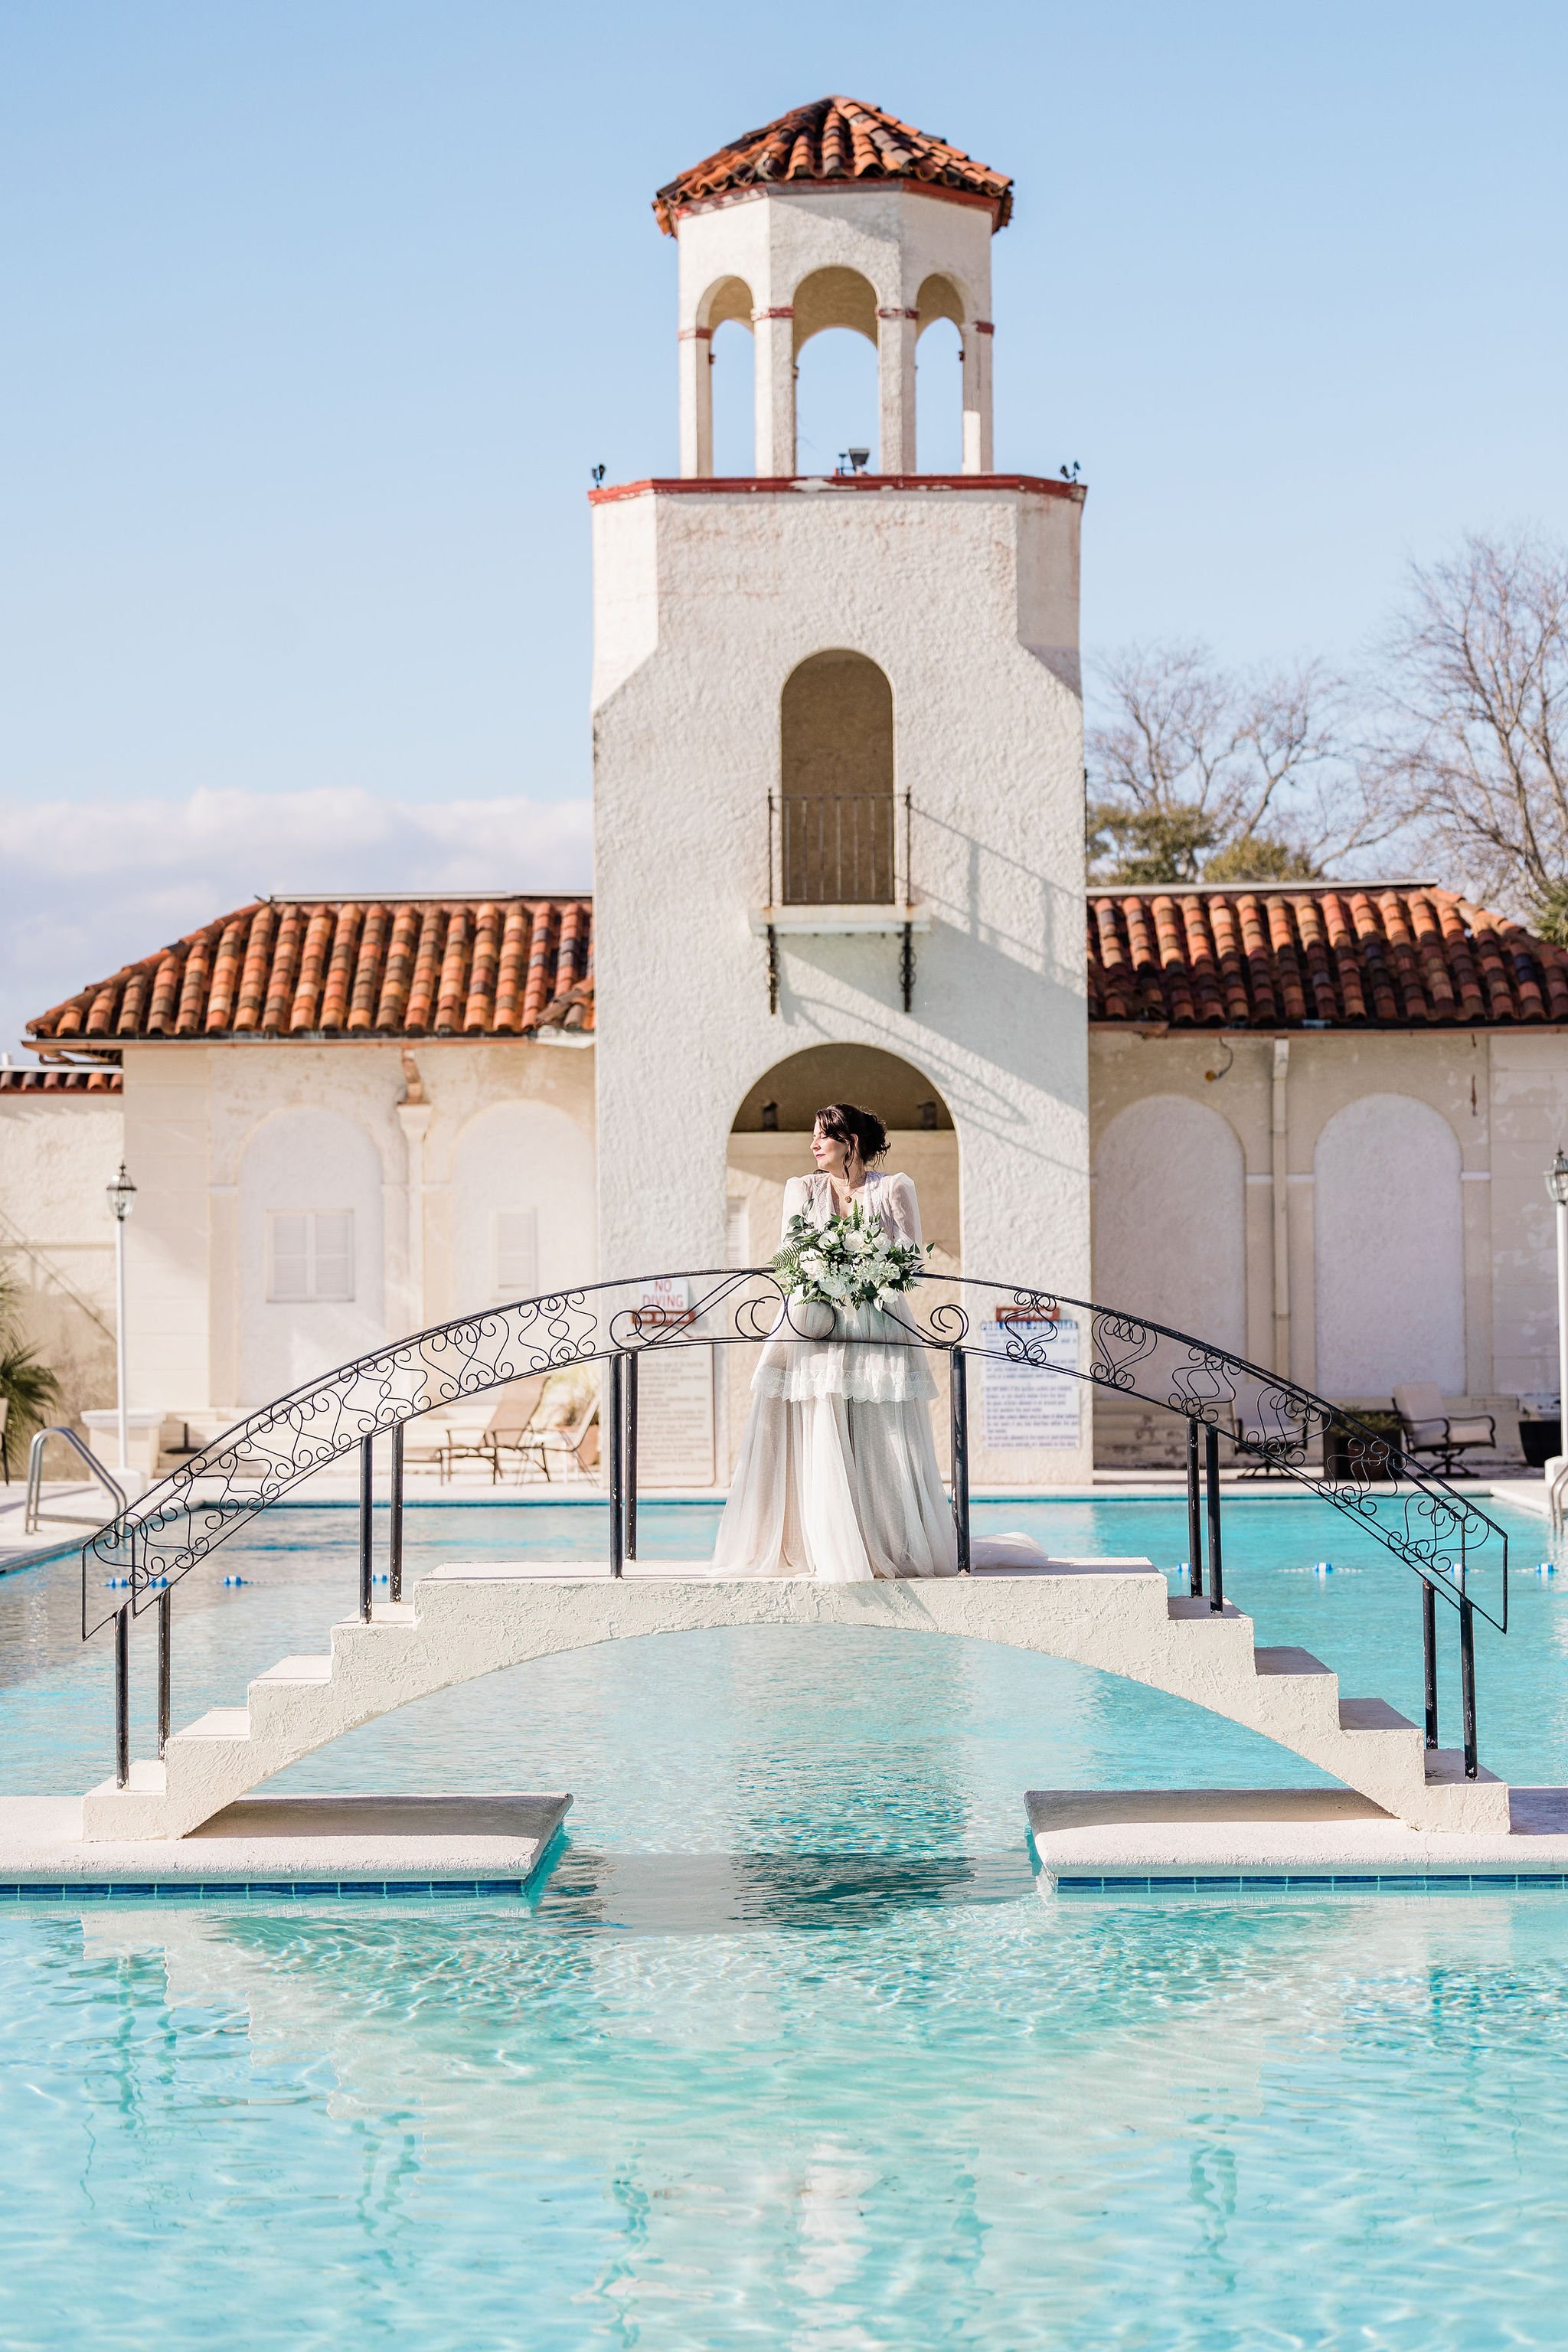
x=464 y=1621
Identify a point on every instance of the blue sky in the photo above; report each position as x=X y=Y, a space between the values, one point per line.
x=320 y=310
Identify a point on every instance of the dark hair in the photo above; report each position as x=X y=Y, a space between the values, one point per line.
x=847 y=1123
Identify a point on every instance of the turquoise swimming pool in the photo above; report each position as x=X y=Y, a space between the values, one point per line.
x=787 y=2049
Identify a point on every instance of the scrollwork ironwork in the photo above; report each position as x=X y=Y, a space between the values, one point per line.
x=1415 y=1514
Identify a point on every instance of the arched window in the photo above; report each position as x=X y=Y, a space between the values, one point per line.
x=1389 y=1249
x=836 y=381
x=836 y=780
x=938 y=378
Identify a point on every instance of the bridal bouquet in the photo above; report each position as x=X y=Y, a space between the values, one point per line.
x=848 y=1261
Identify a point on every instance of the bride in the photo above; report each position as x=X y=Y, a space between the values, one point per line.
x=837 y=1477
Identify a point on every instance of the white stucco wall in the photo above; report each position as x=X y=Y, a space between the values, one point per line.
x=321 y=1160
x=967 y=600
x=1169 y=1201
x=1390 y=1249
x=521 y=1157
x=202 y=1341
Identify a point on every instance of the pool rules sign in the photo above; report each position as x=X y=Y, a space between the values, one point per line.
x=1033 y=1398
x=675 y=1391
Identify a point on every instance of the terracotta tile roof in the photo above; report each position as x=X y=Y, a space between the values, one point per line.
x=354 y=967
x=60 y=1082
x=832 y=139
x=1398 y=955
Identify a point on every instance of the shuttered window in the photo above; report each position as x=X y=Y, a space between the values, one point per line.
x=309 y=1256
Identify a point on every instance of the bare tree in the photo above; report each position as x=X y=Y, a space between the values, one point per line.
x=1202 y=775
x=1474 y=719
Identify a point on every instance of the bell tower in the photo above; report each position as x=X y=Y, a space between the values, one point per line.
x=838 y=781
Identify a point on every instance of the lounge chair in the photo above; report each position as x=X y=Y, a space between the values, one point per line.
x=564 y=1434
x=1426 y=1428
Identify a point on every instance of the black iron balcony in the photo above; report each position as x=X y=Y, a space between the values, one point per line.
x=838 y=849
x=840 y=862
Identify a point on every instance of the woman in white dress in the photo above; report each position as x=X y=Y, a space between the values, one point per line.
x=837 y=1477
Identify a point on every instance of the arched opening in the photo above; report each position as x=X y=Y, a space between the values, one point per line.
x=1389 y=1251
x=769 y=1144
x=725 y=315
x=717 y=408
x=837 y=844
x=836 y=390
x=938 y=378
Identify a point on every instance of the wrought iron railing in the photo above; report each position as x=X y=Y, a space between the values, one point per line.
x=838 y=849
x=1457 y=1551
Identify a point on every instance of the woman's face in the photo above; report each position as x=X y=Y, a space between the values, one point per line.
x=833 y=1157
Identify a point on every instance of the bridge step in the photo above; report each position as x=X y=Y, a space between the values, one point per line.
x=1288 y=1662
x=1372 y=1715
x=219 y=1723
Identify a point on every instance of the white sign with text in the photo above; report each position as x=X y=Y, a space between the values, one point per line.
x=1034 y=1405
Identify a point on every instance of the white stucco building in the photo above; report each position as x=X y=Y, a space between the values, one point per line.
x=839 y=853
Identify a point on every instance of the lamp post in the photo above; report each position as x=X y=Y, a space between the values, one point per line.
x=1557 y=1187
x=121 y=1199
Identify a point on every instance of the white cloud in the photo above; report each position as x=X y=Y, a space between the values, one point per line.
x=85 y=887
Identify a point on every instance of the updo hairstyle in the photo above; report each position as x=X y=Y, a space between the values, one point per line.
x=848 y=1124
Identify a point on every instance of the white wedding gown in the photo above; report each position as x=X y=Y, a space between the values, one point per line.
x=837 y=1476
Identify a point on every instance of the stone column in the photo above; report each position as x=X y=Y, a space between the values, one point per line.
x=773 y=331
x=896 y=382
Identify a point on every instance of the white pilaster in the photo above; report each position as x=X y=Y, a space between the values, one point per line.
x=695 y=403
x=896 y=331
x=774 y=334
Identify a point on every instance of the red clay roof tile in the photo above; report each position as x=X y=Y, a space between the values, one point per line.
x=832 y=139
x=1401 y=955
x=61 y=1082
x=336 y=967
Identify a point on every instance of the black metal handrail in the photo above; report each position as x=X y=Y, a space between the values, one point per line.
x=1438 y=1533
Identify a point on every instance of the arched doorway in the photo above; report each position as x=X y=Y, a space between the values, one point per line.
x=769 y=1144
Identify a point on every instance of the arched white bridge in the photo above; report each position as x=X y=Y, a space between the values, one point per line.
x=464 y=1622
x=460 y=1623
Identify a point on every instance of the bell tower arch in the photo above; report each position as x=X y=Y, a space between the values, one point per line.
x=837 y=217
x=838 y=766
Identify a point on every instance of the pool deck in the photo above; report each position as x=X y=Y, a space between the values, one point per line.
x=287 y=1845
x=1108 y=1841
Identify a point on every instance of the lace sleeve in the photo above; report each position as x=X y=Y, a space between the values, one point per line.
x=905 y=1209
x=797 y=1196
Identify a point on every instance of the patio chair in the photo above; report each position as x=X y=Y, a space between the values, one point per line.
x=1426 y=1428
x=507 y=1427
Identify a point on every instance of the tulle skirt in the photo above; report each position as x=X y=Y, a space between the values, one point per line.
x=837 y=1475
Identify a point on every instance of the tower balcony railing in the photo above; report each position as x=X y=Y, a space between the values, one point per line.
x=837 y=862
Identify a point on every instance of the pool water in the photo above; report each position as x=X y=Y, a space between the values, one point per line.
x=787 y=2049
